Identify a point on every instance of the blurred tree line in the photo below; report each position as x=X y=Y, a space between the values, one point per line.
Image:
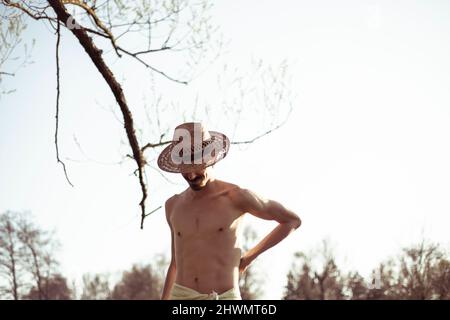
x=420 y=272
x=29 y=270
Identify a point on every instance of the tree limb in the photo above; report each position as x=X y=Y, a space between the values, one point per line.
x=8 y=3
x=96 y=56
x=135 y=56
x=163 y=48
x=154 y=210
x=58 y=38
x=261 y=135
x=154 y=145
x=7 y=73
x=91 y=12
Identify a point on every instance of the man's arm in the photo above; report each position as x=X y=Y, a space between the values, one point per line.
x=288 y=221
x=171 y=272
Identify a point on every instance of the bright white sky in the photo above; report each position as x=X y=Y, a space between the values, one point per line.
x=363 y=159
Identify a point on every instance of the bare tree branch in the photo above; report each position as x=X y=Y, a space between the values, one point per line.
x=96 y=32
x=257 y=137
x=7 y=73
x=135 y=56
x=147 y=214
x=58 y=38
x=96 y=56
x=154 y=145
x=265 y=133
x=9 y=3
x=162 y=174
x=152 y=50
x=97 y=21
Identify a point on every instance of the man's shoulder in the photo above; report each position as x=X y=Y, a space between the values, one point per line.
x=170 y=202
x=233 y=191
x=228 y=188
x=242 y=197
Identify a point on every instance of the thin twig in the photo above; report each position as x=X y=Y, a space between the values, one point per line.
x=91 y=12
x=153 y=50
x=58 y=38
x=25 y=10
x=147 y=214
x=162 y=175
x=154 y=145
x=149 y=66
x=7 y=74
x=96 y=32
x=257 y=137
x=265 y=133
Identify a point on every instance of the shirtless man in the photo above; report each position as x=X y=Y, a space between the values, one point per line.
x=204 y=221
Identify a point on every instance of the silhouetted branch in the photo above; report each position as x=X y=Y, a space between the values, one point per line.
x=147 y=214
x=58 y=38
x=152 y=50
x=7 y=74
x=154 y=145
x=135 y=56
x=97 y=22
x=263 y=134
x=96 y=56
x=16 y=5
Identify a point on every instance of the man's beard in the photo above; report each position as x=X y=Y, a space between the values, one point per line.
x=196 y=184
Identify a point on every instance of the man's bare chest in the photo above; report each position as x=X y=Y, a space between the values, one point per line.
x=204 y=217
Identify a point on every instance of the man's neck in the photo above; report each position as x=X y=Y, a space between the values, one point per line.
x=203 y=191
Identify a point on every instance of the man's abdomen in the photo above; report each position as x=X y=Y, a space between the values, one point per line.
x=207 y=266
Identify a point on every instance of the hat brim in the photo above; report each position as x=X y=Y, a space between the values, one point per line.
x=222 y=145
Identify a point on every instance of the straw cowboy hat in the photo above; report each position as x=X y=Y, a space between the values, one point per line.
x=193 y=147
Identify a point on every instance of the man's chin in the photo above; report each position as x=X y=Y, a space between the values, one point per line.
x=196 y=187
